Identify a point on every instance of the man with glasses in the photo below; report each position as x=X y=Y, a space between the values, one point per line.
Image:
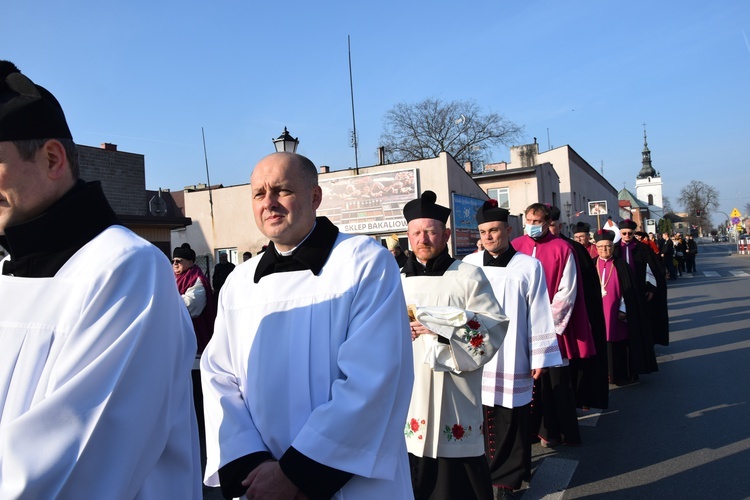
x=648 y=278
x=196 y=293
x=581 y=234
x=630 y=349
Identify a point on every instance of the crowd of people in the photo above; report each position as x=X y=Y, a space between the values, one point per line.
x=329 y=367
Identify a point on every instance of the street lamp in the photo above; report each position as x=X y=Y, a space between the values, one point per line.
x=286 y=142
x=567 y=213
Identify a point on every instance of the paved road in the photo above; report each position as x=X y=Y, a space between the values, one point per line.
x=683 y=432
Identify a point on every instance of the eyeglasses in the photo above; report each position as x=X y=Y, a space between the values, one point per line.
x=177 y=261
x=626 y=233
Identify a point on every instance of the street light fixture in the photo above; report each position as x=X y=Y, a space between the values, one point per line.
x=286 y=142
x=567 y=207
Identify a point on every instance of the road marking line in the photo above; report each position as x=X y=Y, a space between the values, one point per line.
x=588 y=418
x=551 y=479
x=711 y=274
x=739 y=273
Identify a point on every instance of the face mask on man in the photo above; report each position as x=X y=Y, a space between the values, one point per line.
x=534 y=230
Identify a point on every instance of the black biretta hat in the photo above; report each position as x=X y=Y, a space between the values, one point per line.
x=425 y=207
x=627 y=224
x=28 y=111
x=582 y=227
x=490 y=212
x=603 y=234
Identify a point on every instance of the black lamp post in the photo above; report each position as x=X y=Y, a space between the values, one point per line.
x=567 y=213
x=286 y=142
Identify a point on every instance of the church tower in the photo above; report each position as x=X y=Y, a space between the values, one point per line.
x=648 y=182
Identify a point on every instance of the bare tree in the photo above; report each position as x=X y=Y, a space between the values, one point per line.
x=666 y=205
x=425 y=129
x=699 y=200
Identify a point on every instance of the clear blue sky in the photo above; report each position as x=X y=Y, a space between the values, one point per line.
x=148 y=75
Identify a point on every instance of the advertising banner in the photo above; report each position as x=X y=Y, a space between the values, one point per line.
x=369 y=204
x=465 y=232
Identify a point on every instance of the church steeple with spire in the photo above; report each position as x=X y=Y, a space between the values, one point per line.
x=647 y=170
x=648 y=185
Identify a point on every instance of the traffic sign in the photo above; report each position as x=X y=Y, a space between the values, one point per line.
x=735 y=213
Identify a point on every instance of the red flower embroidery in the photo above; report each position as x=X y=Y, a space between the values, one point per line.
x=414 y=425
x=457 y=431
x=473 y=337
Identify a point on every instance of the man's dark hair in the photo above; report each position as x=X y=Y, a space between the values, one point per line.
x=539 y=207
x=28 y=148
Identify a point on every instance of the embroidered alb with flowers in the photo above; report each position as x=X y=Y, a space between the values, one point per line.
x=445 y=414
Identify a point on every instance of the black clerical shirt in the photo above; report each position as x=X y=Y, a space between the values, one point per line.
x=40 y=247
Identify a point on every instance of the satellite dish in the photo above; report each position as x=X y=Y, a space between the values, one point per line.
x=157 y=206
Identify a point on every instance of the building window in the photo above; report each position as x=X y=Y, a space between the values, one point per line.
x=651 y=199
x=502 y=195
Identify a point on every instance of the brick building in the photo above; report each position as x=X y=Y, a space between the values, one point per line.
x=150 y=214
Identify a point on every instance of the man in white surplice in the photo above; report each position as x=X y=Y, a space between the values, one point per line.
x=97 y=346
x=457 y=327
x=307 y=378
x=530 y=345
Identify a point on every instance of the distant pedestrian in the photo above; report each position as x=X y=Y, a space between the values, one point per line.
x=221 y=271
x=679 y=253
x=691 y=250
x=667 y=255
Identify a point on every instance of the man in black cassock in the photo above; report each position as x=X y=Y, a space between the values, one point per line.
x=649 y=279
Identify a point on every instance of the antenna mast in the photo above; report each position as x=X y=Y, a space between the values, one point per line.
x=208 y=179
x=354 y=123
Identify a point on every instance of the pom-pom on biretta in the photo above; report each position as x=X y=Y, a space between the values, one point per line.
x=603 y=234
x=425 y=207
x=490 y=212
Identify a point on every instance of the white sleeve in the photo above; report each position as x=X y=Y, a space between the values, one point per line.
x=565 y=298
x=543 y=344
x=195 y=298
x=473 y=338
x=118 y=408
